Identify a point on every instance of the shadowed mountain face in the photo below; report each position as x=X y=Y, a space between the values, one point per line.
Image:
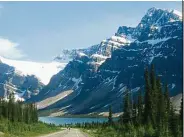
x=99 y=75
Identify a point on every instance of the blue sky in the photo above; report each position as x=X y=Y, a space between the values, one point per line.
x=38 y=31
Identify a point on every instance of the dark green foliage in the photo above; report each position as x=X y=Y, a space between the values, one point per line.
x=160 y=105
x=181 y=109
x=154 y=95
x=140 y=108
x=167 y=108
x=181 y=115
x=147 y=98
x=20 y=119
x=17 y=111
x=152 y=78
x=174 y=123
x=127 y=113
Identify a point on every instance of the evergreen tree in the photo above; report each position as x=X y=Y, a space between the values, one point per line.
x=181 y=115
x=153 y=78
x=4 y=109
x=11 y=106
x=35 y=113
x=110 y=121
x=154 y=95
x=1 y=108
x=135 y=112
x=181 y=109
x=140 y=107
x=167 y=99
x=17 y=111
x=160 y=106
x=167 y=108
x=147 y=99
x=26 y=114
x=127 y=107
x=173 y=123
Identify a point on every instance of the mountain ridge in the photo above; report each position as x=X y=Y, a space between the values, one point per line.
x=100 y=76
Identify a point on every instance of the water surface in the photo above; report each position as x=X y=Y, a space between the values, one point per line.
x=62 y=121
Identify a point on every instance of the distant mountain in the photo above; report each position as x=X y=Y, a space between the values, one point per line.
x=97 y=77
x=25 y=78
x=43 y=71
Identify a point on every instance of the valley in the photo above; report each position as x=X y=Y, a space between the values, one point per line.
x=129 y=84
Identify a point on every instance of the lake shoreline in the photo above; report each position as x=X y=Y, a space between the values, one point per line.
x=51 y=113
x=63 y=121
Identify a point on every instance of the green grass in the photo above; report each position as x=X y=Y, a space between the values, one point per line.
x=26 y=130
x=122 y=131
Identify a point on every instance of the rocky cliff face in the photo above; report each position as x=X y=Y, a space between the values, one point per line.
x=99 y=75
x=12 y=81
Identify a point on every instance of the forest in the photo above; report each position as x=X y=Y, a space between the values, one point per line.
x=21 y=119
x=150 y=115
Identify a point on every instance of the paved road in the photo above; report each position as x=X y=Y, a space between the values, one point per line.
x=67 y=133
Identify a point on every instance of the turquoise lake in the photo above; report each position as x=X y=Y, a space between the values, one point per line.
x=62 y=121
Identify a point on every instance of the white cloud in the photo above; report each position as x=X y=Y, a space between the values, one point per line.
x=9 y=49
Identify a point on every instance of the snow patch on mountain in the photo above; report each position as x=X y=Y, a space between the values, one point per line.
x=81 y=54
x=155 y=41
x=43 y=71
x=76 y=81
x=178 y=13
x=116 y=41
x=98 y=56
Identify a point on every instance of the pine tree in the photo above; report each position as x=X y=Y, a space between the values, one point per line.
x=4 y=109
x=1 y=108
x=153 y=78
x=135 y=112
x=167 y=107
x=15 y=111
x=11 y=107
x=140 y=107
x=110 y=121
x=160 y=106
x=20 y=112
x=26 y=114
x=147 y=99
x=173 y=123
x=181 y=115
x=127 y=107
x=181 y=109
x=154 y=96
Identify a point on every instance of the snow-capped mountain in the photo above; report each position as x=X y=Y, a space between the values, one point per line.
x=103 y=49
x=98 y=76
x=22 y=86
x=25 y=78
x=43 y=71
x=153 y=20
x=97 y=53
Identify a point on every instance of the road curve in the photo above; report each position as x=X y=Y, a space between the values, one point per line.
x=66 y=133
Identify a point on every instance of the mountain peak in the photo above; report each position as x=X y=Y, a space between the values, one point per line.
x=155 y=16
x=151 y=10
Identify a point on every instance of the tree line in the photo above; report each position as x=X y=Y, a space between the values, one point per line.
x=154 y=108
x=17 y=111
x=150 y=114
